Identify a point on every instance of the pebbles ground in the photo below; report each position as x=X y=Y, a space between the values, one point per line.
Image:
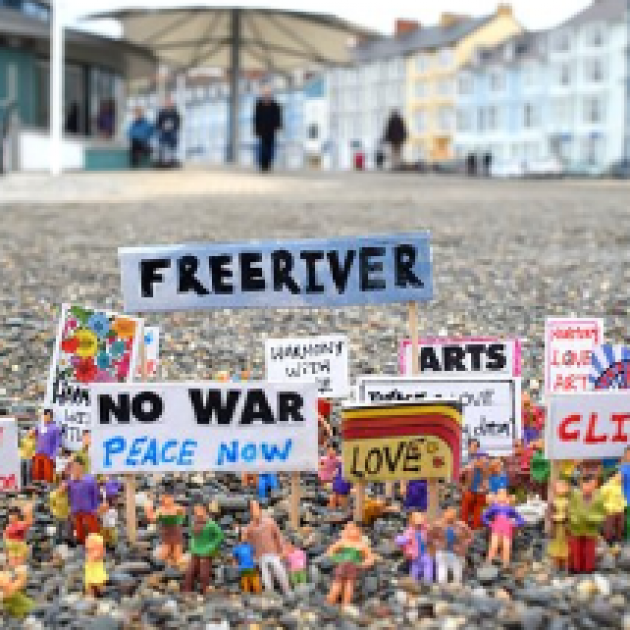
x=507 y=254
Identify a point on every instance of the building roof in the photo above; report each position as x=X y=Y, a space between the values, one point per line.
x=424 y=38
x=527 y=45
x=598 y=11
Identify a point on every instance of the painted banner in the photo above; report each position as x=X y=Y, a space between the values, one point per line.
x=151 y=353
x=610 y=367
x=10 y=471
x=463 y=356
x=492 y=406
x=592 y=425
x=92 y=346
x=569 y=344
x=185 y=427
x=323 y=359
x=278 y=274
x=391 y=442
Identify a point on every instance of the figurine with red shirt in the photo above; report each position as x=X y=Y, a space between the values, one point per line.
x=474 y=485
x=324 y=430
x=414 y=543
x=502 y=519
x=48 y=436
x=20 y=521
x=85 y=498
x=533 y=420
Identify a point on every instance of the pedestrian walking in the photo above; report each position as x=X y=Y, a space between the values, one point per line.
x=396 y=136
x=267 y=123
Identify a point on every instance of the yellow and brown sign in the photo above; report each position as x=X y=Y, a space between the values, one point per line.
x=399 y=441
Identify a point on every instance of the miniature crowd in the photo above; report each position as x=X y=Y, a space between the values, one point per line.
x=584 y=502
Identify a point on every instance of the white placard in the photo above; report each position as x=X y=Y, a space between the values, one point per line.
x=588 y=425
x=10 y=471
x=185 y=427
x=323 y=359
x=569 y=345
x=151 y=353
x=491 y=405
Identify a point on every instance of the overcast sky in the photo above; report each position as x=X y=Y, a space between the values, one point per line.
x=378 y=15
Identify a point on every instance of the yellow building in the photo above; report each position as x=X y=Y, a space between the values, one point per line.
x=432 y=76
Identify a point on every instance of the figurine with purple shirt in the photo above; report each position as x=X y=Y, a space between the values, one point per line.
x=48 y=436
x=417 y=495
x=340 y=489
x=502 y=519
x=413 y=542
x=85 y=498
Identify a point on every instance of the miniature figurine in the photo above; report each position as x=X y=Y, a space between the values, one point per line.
x=615 y=505
x=296 y=562
x=374 y=508
x=83 y=454
x=451 y=539
x=414 y=544
x=13 y=582
x=244 y=557
x=624 y=472
x=417 y=495
x=95 y=573
x=328 y=465
x=62 y=465
x=205 y=539
x=265 y=536
x=532 y=421
x=109 y=522
x=84 y=498
x=170 y=518
x=267 y=482
x=558 y=548
x=249 y=480
x=501 y=518
x=20 y=521
x=28 y=445
x=48 y=436
x=111 y=490
x=352 y=554
x=474 y=485
x=539 y=470
x=497 y=478
x=324 y=430
x=60 y=510
x=340 y=489
x=586 y=515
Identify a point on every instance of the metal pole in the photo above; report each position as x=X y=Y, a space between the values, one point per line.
x=56 y=87
x=626 y=92
x=235 y=65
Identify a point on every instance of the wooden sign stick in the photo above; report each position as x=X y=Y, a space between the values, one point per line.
x=359 y=502
x=294 y=501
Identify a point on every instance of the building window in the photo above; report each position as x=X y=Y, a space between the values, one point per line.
x=564 y=74
x=465 y=85
x=420 y=122
x=446 y=57
x=562 y=42
x=593 y=70
x=421 y=89
x=593 y=110
x=481 y=119
x=595 y=36
x=529 y=116
x=497 y=81
x=493 y=118
x=423 y=63
x=593 y=149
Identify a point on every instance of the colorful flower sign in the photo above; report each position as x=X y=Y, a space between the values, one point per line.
x=92 y=346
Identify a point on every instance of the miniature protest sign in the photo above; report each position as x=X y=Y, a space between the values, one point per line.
x=592 y=425
x=398 y=441
x=278 y=274
x=465 y=357
x=323 y=359
x=569 y=344
x=185 y=427
x=491 y=405
x=92 y=346
x=151 y=354
x=10 y=467
x=610 y=367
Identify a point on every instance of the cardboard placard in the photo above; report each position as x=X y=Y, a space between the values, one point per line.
x=10 y=468
x=401 y=441
x=569 y=344
x=204 y=426
x=463 y=356
x=278 y=274
x=591 y=425
x=151 y=353
x=492 y=406
x=92 y=346
x=323 y=359
x=610 y=367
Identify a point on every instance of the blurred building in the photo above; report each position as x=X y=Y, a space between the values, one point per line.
x=558 y=95
x=96 y=72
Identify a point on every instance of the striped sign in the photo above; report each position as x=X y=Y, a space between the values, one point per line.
x=610 y=367
x=391 y=442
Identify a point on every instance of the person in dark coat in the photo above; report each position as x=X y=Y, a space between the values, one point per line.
x=267 y=122
x=72 y=119
x=396 y=136
x=139 y=133
x=168 y=126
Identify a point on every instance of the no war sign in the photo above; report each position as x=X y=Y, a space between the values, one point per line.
x=293 y=274
x=232 y=427
x=588 y=425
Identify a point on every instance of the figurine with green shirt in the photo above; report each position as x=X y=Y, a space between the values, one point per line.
x=205 y=539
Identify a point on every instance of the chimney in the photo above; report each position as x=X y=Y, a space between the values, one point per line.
x=450 y=19
x=403 y=26
x=504 y=10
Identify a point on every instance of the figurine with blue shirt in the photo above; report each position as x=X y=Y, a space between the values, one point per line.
x=451 y=538
x=244 y=557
